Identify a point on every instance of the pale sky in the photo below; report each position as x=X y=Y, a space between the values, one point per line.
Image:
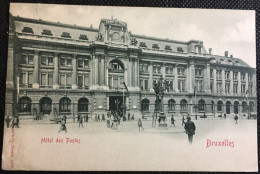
x=221 y=30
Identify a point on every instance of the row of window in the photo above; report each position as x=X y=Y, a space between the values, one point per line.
x=47 y=60
x=145 y=104
x=227 y=75
x=49 y=33
x=235 y=88
x=46 y=103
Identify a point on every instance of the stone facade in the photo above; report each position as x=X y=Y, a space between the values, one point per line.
x=56 y=68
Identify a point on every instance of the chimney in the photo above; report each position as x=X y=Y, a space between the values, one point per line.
x=231 y=55
x=226 y=53
x=210 y=50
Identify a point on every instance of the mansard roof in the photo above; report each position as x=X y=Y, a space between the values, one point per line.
x=57 y=29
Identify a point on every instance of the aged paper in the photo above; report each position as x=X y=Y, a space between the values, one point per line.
x=130 y=89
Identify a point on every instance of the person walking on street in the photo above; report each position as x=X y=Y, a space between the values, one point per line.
x=81 y=121
x=7 y=120
x=63 y=126
x=225 y=116
x=129 y=116
x=140 y=125
x=103 y=117
x=236 y=118
x=65 y=119
x=190 y=129
x=87 y=118
x=98 y=117
x=172 y=121
x=133 y=117
x=183 y=121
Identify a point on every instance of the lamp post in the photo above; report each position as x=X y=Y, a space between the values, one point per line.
x=159 y=88
x=117 y=103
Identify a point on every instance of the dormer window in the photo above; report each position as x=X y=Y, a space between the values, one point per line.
x=155 y=46
x=229 y=60
x=83 y=37
x=221 y=59
x=27 y=30
x=237 y=61
x=179 y=49
x=143 y=44
x=66 y=35
x=168 y=48
x=47 y=32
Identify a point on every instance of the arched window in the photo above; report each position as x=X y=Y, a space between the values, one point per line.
x=65 y=104
x=116 y=65
x=145 y=105
x=83 y=105
x=184 y=105
x=25 y=104
x=212 y=106
x=201 y=106
x=251 y=106
x=244 y=106
x=219 y=106
x=171 y=105
x=236 y=107
x=228 y=106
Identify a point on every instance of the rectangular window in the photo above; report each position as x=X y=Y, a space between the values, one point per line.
x=86 y=63
x=250 y=89
x=242 y=76
x=211 y=87
x=62 y=80
x=154 y=69
x=86 y=81
x=23 y=78
x=227 y=88
x=219 y=87
x=62 y=61
x=68 y=80
x=80 y=63
x=80 y=81
x=50 y=79
x=235 y=88
x=50 y=60
x=30 y=59
x=159 y=69
x=167 y=70
x=179 y=71
x=115 y=82
x=23 y=59
x=146 y=84
x=145 y=68
x=68 y=62
x=235 y=75
x=211 y=73
x=171 y=70
x=141 y=84
x=44 y=60
x=43 y=79
x=30 y=78
x=171 y=85
x=141 y=68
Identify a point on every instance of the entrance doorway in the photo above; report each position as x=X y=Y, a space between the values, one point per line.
x=113 y=103
x=45 y=105
x=236 y=107
x=228 y=105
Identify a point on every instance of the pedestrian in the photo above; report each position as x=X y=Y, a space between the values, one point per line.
x=204 y=116
x=15 y=122
x=159 y=120
x=98 y=117
x=133 y=117
x=65 y=119
x=103 y=117
x=108 y=123
x=140 y=125
x=236 y=118
x=73 y=118
x=87 y=118
x=78 y=117
x=183 y=121
x=190 y=129
x=225 y=116
x=62 y=126
x=112 y=121
x=81 y=121
x=172 y=121
x=129 y=116
x=7 y=120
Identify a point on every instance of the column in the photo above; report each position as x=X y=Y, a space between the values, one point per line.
x=130 y=69
x=136 y=72
x=74 y=72
x=207 y=78
x=150 y=69
x=91 y=72
x=56 y=72
x=36 y=70
x=254 y=84
x=102 y=74
x=231 y=82
x=189 y=88
x=133 y=72
x=176 y=78
x=192 y=77
x=214 y=81
x=239 y=83
x=96 y=71
x=223 y=81
x=246 y=77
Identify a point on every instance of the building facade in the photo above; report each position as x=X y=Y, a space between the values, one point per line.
x=56 y=69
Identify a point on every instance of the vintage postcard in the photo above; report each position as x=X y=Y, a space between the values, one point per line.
x=130 y=89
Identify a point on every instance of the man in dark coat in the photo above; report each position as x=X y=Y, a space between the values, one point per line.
x=236 y=118
x=7 y=120
x=183 y=121
x=81 y=121
x=172 y=121
x=190 y=129
x=128 y=116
